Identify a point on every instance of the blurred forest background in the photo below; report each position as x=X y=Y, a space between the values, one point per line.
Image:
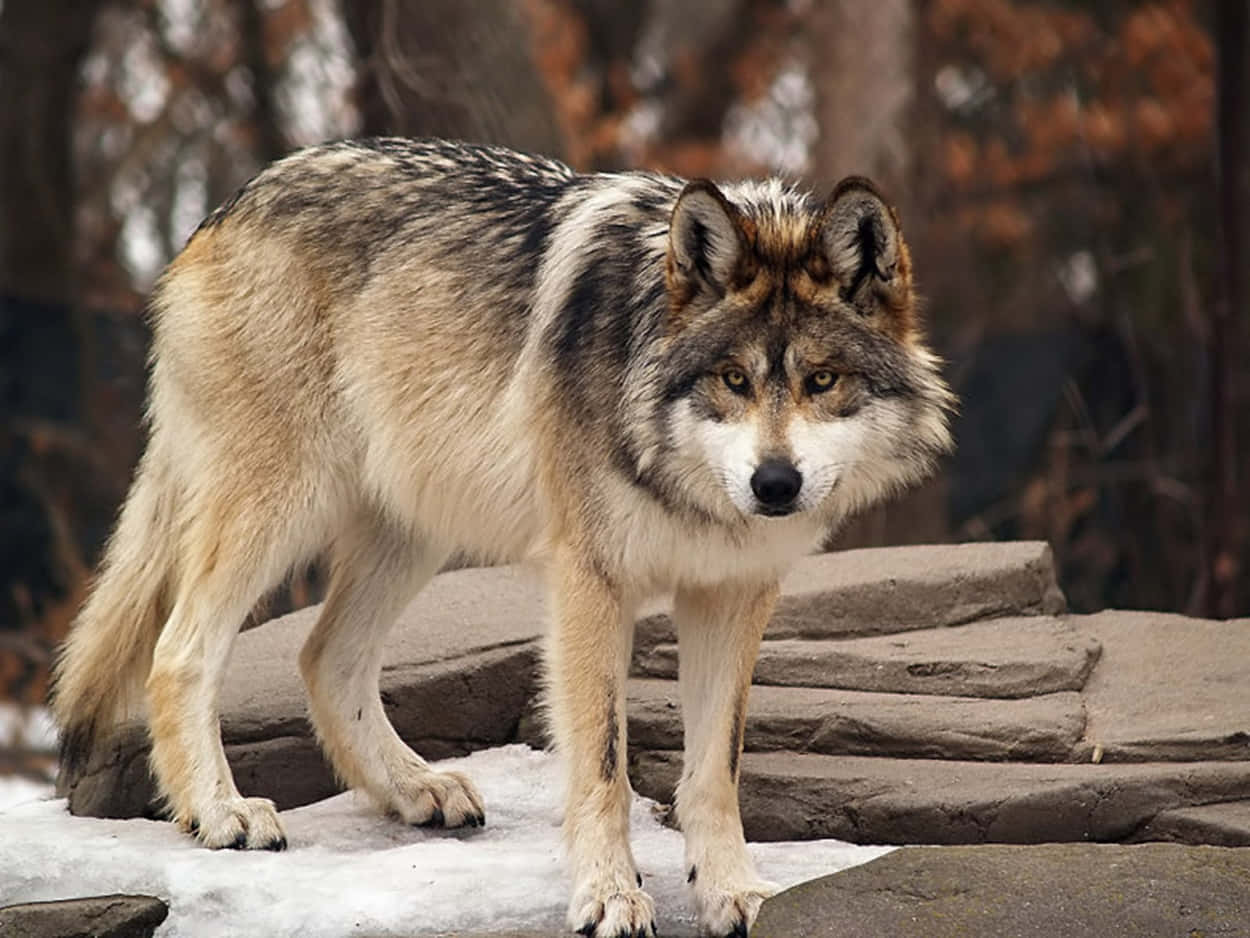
x=1073 y=176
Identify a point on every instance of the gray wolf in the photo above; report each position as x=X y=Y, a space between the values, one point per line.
x=394 y=349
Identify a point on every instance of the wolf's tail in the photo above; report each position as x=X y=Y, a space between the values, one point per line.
x=99 y=678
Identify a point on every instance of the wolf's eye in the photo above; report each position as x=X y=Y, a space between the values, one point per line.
x=736 y=381
x=819 y=381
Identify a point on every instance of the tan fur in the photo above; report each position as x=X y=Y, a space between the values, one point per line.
x=719 y=632
x=587 y=668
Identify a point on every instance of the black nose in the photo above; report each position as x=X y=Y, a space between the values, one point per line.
x=776 y=483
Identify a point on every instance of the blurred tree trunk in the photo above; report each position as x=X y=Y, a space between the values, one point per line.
x=862 y=60
x=41 y=46
x=42 y=336
x=451 y=69
x=863 y=66
x=270 y=141
x=695 y=41
x=1225 y=521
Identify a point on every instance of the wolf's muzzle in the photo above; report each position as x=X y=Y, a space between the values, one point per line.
x=776 y=485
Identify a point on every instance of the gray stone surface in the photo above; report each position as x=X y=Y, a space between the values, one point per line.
x=1169 y=687
x=447 y=708
x=116 y=784
x=115 y=916
x=462 y=662
x=1016 y=657
x=835 y=722
x=880 y=590
x=1221 y=825
x=462 y=670
x=460 y=614
x=905 y=801
x=1149 y=891
x=461 y=665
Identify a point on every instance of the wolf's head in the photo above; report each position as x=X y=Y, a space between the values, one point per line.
x=796 y=378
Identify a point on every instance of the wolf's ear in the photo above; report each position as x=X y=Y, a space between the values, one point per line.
x=858 y=236
x=709 y=241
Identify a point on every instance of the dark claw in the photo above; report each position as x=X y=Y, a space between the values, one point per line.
x=481 y=819
x=435 y=820
x=587 y=929
x=639 y=876
x=740 y=929
x=276 y=845
x=194 y=827
x=239 y=842
x=693 y=875
x=470 y=820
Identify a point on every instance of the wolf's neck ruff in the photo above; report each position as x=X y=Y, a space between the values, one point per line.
x=389 y=350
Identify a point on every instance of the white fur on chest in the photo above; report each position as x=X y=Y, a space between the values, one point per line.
x=660 y=551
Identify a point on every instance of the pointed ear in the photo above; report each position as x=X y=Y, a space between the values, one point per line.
x=709 y=241
x=858 y=236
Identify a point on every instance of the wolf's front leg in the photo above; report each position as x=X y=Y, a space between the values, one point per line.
x=719 y=631
x=588 y=658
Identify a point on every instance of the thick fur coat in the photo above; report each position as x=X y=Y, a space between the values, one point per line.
x=391 y=350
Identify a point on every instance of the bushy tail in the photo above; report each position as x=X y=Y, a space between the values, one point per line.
x=98 y=683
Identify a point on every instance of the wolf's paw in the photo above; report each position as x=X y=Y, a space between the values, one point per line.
x=240 y=824
x=729 y=910
x=437 y=799
x=612 y=913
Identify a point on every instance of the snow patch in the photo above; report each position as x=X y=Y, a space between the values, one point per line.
x=349 y=871
x=29 y=727
x=16 y=790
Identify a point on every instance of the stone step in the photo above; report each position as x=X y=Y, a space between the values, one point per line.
x=1016 y=657
x=460 y=668
x=462 y=662
x=1168 y=687
x=113 y=916
x=1222 y=825
x=879 y=590
x=836 y=722
x=906 y=801
x=1025 y=892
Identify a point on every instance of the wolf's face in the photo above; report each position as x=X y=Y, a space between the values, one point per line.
x=798 y=381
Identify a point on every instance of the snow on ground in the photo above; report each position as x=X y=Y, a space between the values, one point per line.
x=30 y=730
x=31 y=727
x=15 y=790
x=349 y=871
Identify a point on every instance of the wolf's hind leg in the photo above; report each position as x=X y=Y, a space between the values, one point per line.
x=719 y=631
x=233 y=552
x=377 y=569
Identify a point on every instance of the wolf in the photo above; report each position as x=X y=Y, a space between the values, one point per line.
x=391 y=350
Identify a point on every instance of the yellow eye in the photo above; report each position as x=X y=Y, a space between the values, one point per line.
x=821 y=380
x=735 y=380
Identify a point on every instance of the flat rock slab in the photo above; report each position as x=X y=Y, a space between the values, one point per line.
x=1168 y=687
x=836 y=722
x=463 y=660
x=788 y=796
x=1222 y=825
x=97 y=917
x=460 y=615
x=880 y=590
x=1016 y=657
x=461 y=665
x=1034 y=892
